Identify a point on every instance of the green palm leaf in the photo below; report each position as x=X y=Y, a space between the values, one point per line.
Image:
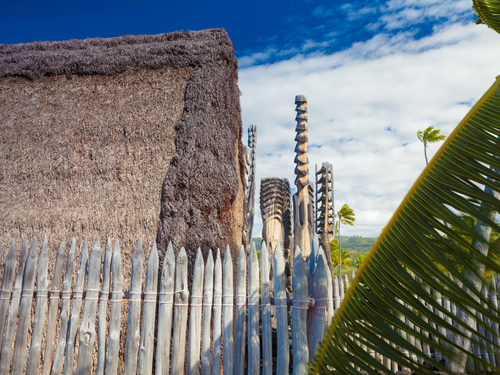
x=488 y=12
x=424 y=237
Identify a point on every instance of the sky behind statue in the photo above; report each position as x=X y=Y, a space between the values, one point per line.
x=374 y=72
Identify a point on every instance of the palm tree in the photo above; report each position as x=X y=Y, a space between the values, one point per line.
x=347 y=262
x=345 y=216
x=427 y=230
x=360 y=260
x=429 y=135
x=487 y=12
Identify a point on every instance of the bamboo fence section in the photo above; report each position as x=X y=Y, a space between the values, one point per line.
x=216 y=327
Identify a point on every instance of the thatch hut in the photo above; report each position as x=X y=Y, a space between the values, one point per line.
x=134 y=137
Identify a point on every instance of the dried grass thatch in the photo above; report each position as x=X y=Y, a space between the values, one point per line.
x=129 y=137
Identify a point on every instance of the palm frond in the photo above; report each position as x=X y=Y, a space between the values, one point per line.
x=426 y=241
x=488 y=12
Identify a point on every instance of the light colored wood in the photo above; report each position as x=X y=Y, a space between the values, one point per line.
x=253 y=313
x=208 y=291
x=103 y=307
x=330 y=308
x=299 y=314
x=65 y=307
x=216 y=352
x=116 y=312
x=134 y=311
x=88 y=334
x=53 y=309
x=241 y=302
x=10 y=327
x=267 y=349
x=165 y=308
x=283 y=359
x=69 y=359
x=318 y=323
x=336 y=293
x=42 y=284
x=146 y=347
x=25 y=311
x=194 y=341
x=181 y=302
x=9 y=271
x=227 y=314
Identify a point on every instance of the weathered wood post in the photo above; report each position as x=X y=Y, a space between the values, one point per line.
x=116 y=312
x=69 y=358
x=181 y=303
x=267 y=342
x=253 y=313
x=227 y=315
x=87 y=334
x=25 y=310
x=146 y=347
x=134 y=311
x=208 y=293
x=194 y=342
x=41 y=305
x=65 y=309
x=283 y=341
x=216 y=353
x=165 y=311
x=103 y=306
x=318 y=321
x=7 y=282
x=53 y=309
x=241 y=302
x=299 y=314
x=10 y=327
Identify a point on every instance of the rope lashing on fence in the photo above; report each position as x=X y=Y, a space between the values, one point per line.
x=104 y=296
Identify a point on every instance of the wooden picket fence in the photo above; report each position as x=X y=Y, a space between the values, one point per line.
x=228 y=328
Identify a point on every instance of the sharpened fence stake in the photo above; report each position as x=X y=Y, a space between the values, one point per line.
x=208 y=290
x=299 y=314
x=283 y=360
x=241 y=301
x=267 y=360
x=216 y=353
x=193 y=360
x=165 y=310
x=227 y=316
x=103 y=306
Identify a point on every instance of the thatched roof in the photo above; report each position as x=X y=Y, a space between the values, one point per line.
x=93 y=133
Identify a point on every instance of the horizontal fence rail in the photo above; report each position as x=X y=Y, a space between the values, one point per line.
x=216 y=326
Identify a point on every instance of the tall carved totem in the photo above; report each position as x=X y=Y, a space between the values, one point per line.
x=325 y=210
x=303 y=199
x=250 y=159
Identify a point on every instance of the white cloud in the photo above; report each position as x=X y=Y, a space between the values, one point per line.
x=365 y=106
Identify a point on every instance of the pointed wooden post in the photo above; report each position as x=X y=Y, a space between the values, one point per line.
x=181 y=311
x=165 y=309
x=42 y=284
x=25 y=310
x=267 y=353
x=318 y=326
x=103 y=307
x=336 y=293
x=88 y=334
x=299 y=314
x=253 y=313
x=10 y=327
x=69 y=359
x=134 y=311
x=241 y=302
x=283 y=360
x=116 y=312
x=216 y=353
x=208 y=291
x=7 y=282
x=65 y=309
x=193 y=360
x=146 y=348
x=53 y=309
x=227 y=315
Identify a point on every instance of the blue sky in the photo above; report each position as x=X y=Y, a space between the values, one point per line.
x=374 y=73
